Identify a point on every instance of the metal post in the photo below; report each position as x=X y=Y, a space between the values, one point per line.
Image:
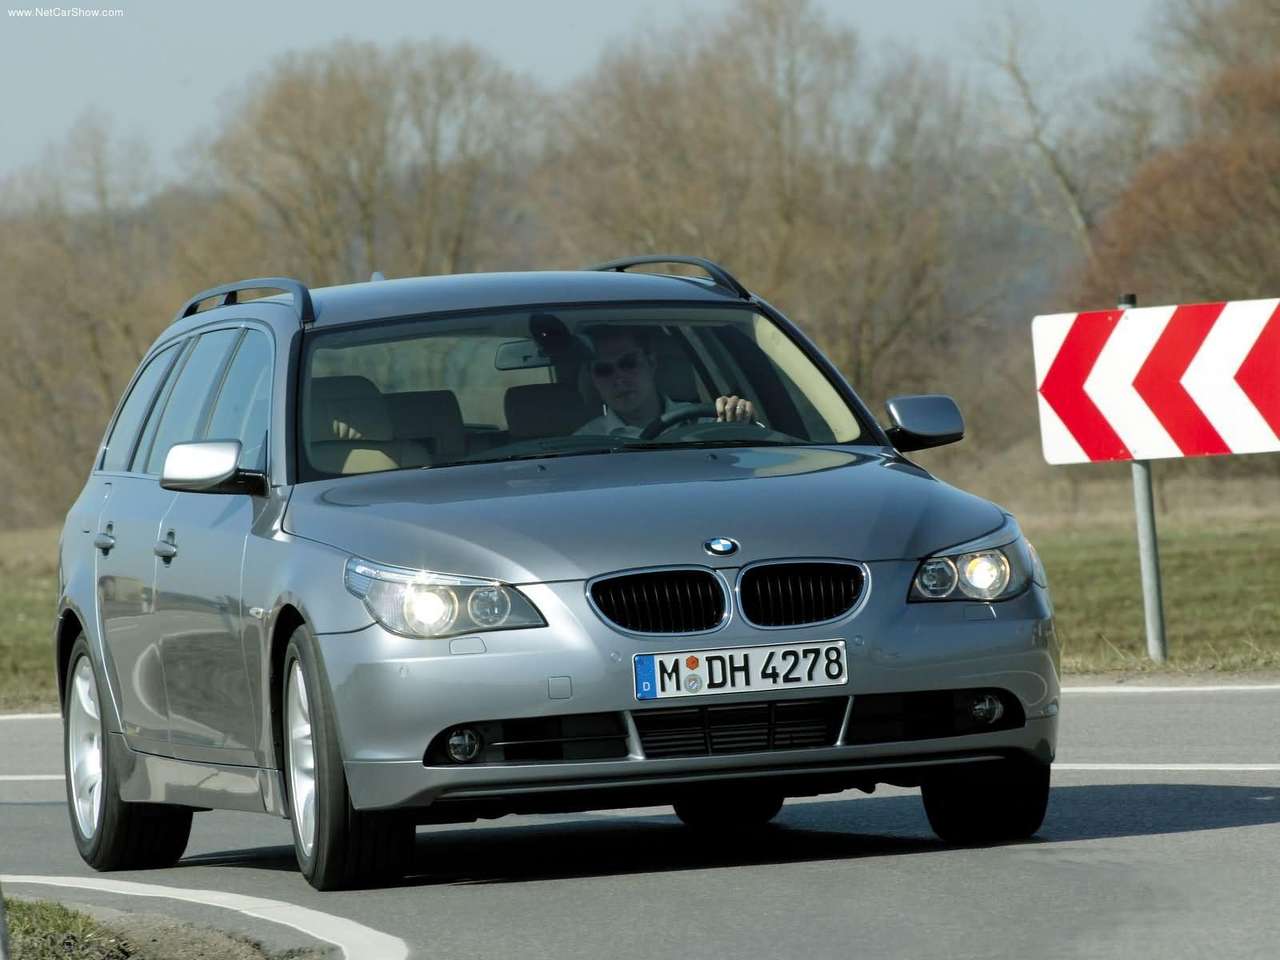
x=1148 y=546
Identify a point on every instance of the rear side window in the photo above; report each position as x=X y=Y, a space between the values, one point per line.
x=243 y=407
x=134 y=411
x=188 y=401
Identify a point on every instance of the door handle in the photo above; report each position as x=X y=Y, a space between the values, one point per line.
x=167 y=548
x=104 y=541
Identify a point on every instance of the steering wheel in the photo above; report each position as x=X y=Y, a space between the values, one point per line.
x=695 y=412
x=666 y=421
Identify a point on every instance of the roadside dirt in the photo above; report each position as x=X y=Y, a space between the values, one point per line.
x=152 y=936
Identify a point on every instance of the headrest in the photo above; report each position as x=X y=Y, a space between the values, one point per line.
x=674 y=375
x=433 y=414
x=543 y=410
x=348 y=408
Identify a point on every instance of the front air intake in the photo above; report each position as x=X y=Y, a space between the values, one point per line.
x=740 y=727
x=661 y=601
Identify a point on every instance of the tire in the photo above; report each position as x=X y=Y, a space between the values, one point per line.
x=986 y=805
x=337 y=846
x=728 y=811
x=109 y=833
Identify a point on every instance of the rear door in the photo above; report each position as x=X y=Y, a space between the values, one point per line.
x=124 y=564
x=199 y=609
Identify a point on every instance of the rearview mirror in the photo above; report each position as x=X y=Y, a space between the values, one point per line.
x=520 y=355
x=922 y=422
x=209 y=467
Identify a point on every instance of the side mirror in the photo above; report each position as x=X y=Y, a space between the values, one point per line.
x=922 y=422
x=209 y=467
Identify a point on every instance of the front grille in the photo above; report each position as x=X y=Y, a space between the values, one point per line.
x=789 y=594
x=662 y=601
x=740 y=727
x=569 y=737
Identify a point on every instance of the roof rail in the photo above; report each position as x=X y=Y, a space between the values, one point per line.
x=229 y=292
x=719 y=274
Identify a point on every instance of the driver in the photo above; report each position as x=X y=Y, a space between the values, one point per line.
x=622 y=368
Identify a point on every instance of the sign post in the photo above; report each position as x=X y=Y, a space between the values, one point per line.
x=1141 y=384
x=1148 y=545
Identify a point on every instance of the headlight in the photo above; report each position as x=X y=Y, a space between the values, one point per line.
x=997 y=567
x=419 y=603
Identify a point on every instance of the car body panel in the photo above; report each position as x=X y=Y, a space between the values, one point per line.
x=496 y=291
x=579 y=517
x=394 y=694
x=125 y=601
x=390 y=784
x=199 y=620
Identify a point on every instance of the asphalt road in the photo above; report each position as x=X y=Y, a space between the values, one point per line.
x=1160 y=842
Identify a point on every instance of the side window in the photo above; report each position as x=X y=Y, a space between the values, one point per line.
x=243 y=407
x=120 y=443
x=189 y=399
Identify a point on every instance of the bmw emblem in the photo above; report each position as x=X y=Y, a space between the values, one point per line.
x=721 y=546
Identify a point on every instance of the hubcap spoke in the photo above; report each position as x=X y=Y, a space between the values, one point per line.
x=302 y=780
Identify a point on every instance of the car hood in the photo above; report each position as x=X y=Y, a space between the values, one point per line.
x=573 y=518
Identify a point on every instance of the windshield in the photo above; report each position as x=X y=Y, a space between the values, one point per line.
x=525 y=384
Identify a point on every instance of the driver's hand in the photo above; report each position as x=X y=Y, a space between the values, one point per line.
x=734 y=408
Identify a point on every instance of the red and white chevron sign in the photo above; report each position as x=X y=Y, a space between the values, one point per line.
x=1152 y=382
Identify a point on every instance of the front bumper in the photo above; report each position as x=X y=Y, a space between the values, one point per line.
x=393 y=695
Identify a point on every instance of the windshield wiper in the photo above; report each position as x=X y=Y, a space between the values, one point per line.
x=708 y=444
x=539 y=455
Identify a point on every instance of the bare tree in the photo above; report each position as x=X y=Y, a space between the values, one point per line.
x=356 y=158
x=765 y=140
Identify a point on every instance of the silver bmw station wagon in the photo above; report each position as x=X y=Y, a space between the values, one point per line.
x=448 y=548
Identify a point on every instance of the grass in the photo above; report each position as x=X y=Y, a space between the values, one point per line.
x=39 y=930
x=27 y=679
x=1222 y=609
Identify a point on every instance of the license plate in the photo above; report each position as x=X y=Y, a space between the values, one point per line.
x=739 y=669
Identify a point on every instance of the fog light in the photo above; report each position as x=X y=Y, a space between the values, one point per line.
x=984 y=709
x=464 y=745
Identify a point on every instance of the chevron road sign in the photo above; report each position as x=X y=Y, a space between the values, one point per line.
x=1154 y=382
x=1134 y=384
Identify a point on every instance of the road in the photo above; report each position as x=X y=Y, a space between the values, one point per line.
x=1162 y=839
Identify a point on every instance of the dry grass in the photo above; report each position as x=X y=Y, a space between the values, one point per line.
x=1222 y=612
x=41 y=930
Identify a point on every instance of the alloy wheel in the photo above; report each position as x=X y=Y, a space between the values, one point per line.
x=302 y=759
x=84 y=748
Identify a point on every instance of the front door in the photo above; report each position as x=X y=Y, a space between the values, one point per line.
x=199 y=621
x=200 y=616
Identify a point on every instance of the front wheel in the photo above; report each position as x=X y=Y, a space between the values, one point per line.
x=993 y=803
x=336 y=845
x=109 y=833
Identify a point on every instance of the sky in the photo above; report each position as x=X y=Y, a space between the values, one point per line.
x=164 y=70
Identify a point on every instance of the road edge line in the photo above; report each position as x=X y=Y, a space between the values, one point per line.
x=1210 y=688
x=1171 y=767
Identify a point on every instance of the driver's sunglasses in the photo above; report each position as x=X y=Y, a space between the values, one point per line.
x=627 y=363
